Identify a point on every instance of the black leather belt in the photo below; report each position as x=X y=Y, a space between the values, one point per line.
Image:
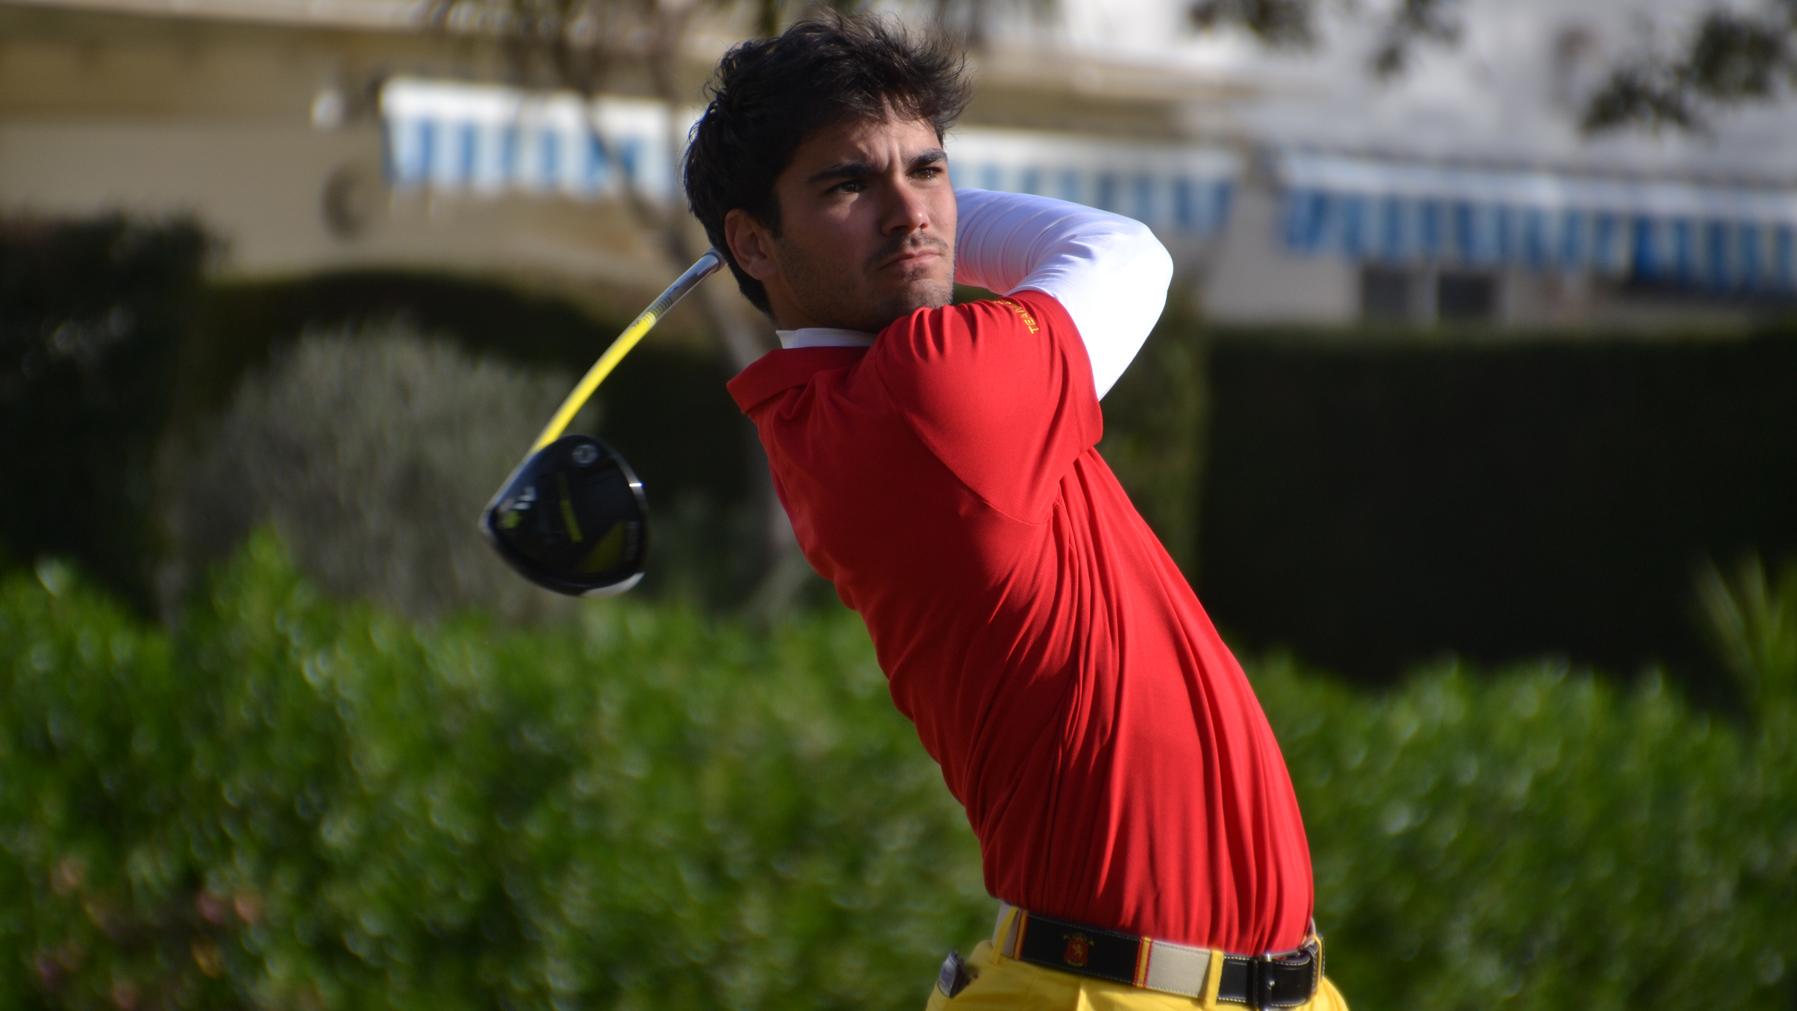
x=1280 y=980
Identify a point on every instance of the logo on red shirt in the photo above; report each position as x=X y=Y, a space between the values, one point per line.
x=1079 y=948
x=1022 y=313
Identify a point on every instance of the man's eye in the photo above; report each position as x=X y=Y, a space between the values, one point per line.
x=928 y=171
x=848 y=186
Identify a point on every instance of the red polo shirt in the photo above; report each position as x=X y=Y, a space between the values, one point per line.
x=1111 y=756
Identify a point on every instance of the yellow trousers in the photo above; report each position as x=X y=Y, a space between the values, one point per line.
x=1005 y=984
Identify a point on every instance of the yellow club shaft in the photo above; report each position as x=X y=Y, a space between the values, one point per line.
x=583 y=391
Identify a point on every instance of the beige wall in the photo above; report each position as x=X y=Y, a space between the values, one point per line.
x=260 y=185
x=106 y=111
x=263 y=189
x=1250 y=280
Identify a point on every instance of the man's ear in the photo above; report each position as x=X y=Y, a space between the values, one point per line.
x=751 y=244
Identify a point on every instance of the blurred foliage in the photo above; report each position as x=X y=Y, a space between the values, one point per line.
x=371 y=450
x=1542 y=839
x=91 y=315
x=286 y=801
x=1753 y=629
x=1707 y=58
x=289 y=802
x=240 y=324
x=1372 y=503
x=665 y=409
x=1155 y=432
x=1564 y=490
x=1731 y=55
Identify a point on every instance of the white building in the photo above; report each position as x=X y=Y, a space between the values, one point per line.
x=1293 y=187
x=1463 y=188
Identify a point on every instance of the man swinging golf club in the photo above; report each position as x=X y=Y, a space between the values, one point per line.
x=938 y=463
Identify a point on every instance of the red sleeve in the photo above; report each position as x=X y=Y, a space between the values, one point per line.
x=1000 y=391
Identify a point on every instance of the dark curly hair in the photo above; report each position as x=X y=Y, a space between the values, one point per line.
x=771 y=94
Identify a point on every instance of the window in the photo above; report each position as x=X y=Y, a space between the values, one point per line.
x=1462 y=297
x=1387 y=295
x=1424 y=295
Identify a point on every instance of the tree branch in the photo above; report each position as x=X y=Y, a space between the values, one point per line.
x=1730 y=59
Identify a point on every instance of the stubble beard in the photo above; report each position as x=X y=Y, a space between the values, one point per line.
x=924 y=290
x=921 y=293
x=826 y=300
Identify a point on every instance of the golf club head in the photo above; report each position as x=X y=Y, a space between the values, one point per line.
x=572 y=518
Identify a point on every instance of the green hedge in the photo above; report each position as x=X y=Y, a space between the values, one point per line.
x=292 y=802
x=297 y=803
x=92 y=315
x=1372 y=504
x=1156 y=427
x=1367 y=502
x=239 y=322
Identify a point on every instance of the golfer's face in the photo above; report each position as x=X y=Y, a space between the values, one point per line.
x=867 y=227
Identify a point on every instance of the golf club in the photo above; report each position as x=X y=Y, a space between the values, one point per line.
x=573 y=517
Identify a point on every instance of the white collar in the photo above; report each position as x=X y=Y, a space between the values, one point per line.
x=824 y=337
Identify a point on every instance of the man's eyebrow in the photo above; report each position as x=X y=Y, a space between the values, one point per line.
x=930 y=157
x=856 y=169
x=841 y=170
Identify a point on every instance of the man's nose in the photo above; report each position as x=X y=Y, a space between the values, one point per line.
x=906 y=209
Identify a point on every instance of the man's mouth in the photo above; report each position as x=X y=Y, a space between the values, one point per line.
x=915 y=254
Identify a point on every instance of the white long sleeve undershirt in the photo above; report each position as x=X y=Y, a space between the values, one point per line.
x=1109 y=272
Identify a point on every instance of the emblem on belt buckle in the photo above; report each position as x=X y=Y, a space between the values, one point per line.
x=1078 y=949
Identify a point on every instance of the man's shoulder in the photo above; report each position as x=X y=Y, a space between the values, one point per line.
x=1026 y=313
x=786 y=368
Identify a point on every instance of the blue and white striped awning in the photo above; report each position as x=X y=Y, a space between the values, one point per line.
x=1177 y=189
x=483 y=140
x=487 y=141
x=1707 y=236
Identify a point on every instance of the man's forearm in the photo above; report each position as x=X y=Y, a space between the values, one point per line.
x=1109 y=272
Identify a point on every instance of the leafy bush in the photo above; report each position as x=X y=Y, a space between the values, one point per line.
x=1752 y=625
x=1545 y=839
x=292 y=802
x=665 y=409
x=371 y=451
x=92 y=314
